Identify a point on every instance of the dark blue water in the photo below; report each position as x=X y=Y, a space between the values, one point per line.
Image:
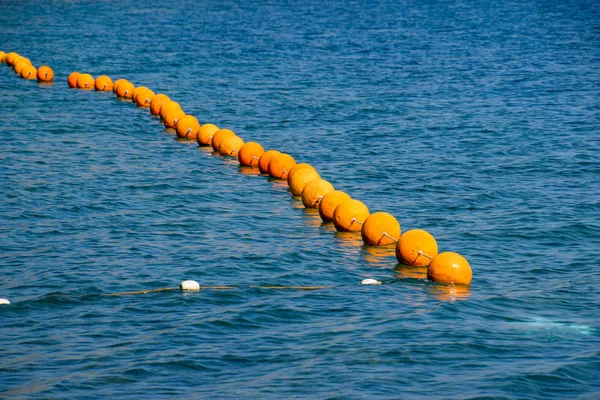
x=477 y=121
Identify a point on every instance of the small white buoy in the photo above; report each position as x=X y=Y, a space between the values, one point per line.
x=370 y=281
x=189 y=285
x=4 y=301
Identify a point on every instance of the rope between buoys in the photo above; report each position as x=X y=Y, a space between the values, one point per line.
x=218 y=288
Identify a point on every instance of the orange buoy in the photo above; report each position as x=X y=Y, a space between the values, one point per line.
x=416 y=248
x=171 y=118
x=125 y=89
x=72 y=79
x=2 y=57
x=117 y=83
x=136 y=91
x=350 y=215
x=265 y=159
x=301 y=178
x=85 y=81
x=168 y=106
x=143 y=97
x=230 y=146
x=157 y=102
x=219 y=136
x=329 y=203
x=250 y=153
x=187 y=127
x=11 y=57
x=45 y=74
x=450 y=268
x=103 y=83
x=20 y=64
x=297 y=167
x=379 y=229
x=280 y=165
x=29 y=72
x=205 y=134
x=314 y=191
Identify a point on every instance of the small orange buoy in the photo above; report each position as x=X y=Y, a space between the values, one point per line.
x=379 y=229
x=157 y=102
x=416 y=248
x=230 y=146
x=297 y=167
x=29 y=72
x=11 y=57
x=143 y=97
x=136 y=91
x=125 y=89
x=85 y=81
x=72 y=79
x=265 y=159
x=280 y=165
x=219 y=136
x=350 y=215
x=314 y=191
x=451 y=268
x=20 y=64
x=45 y=74
x=250 y=153
x=187 y=127
x=2 y=57
x=301 y=178
x=103 y=83
x=329 y=203
x=117 y=83
x=205 y=134
x=171 y=118
x=168 y=106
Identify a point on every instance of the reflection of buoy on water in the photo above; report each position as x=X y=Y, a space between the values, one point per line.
x=301 y=178
x=451 y=268
x=103 y=83
x=189 y=285
x=187 y=127
x=157 y=102
x=280 y=165
x=85 y=82
x=416 y=247
x=45 y=74
x=250 y=153
x=350 y=215
x=370 y=281
x=219 y=136
x=329 y=203
x=379 y=229
x=205 y=134
x=314 y=191
x=230 y=146
x=72 y=79
x=265 y=159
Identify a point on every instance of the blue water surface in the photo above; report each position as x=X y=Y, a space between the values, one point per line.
x=477 y=121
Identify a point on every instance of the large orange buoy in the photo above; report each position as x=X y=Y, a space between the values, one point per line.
x=85 y=81
x=72 y=79
x=11 y=57
x=301 y=178
x=450 y=268
x=379 y=229
x=219 y=136
x=350 y=215
x=250 y=153
x=314 y=191
x=205 y=134
x=117 y=83
x=265 y=159
x=143 y=97
x=416 y=247
x=168 y=106
x=103 y=83
x=157 y=102
x=20 y=64
x=230 y=146
x=171 y=118
x=136 y=91
x=125 y=89
x=329 y=203
x=280 y=165
x=45 y=74
x=296 y=168
x=29 y=72
x=187 y=127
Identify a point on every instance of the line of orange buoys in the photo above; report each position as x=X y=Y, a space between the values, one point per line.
x=25 y=69
x=413 y=248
